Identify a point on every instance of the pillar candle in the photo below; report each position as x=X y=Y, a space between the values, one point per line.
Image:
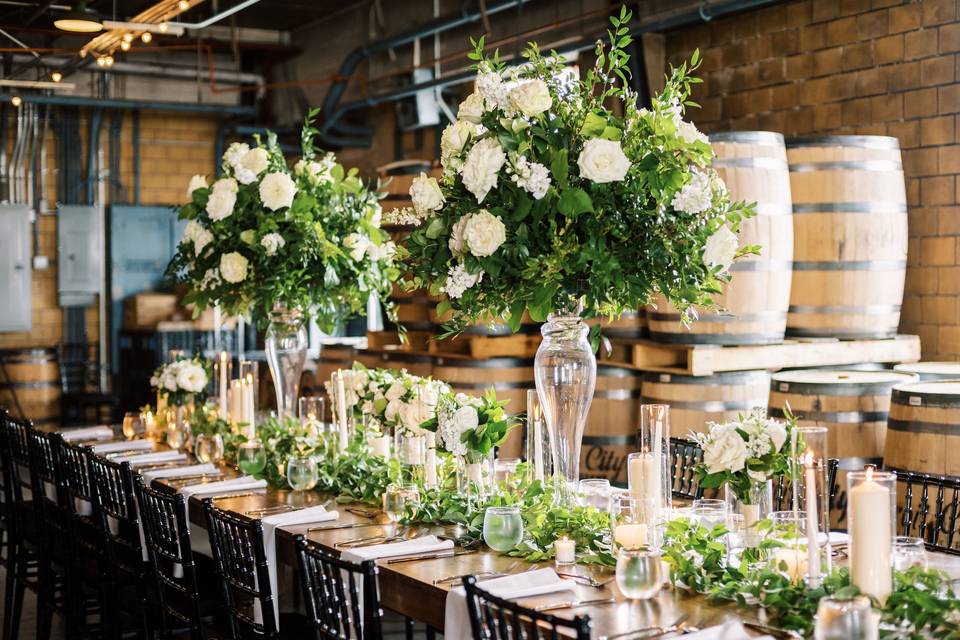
x=870 y=543
x=430 y=462
x=565 y=550
x=251 y=408
x=379 y=446
x=224 y=372
x=813 y=548
x=538 y=449
x=630 y=536
x=791 y=561
x=643 y=476
x=236 y=401
x=344 y=438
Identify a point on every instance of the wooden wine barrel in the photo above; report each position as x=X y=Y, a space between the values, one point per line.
x=850 y=236
x=414 y=311
x=611 y=431
x=418 y=364
x=852 y=405
x=696 y=400
x=931 y=370
x=631 y=325
x=509 y=377
x=753 y=164
x=30 y=384
x=923 y=431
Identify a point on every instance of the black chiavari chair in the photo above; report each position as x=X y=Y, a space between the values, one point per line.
x=115 y=514
x=241 y=564
x=929 y=509
x=342 y=598
x=493 y=618
x=685 y=455
x=783 y=488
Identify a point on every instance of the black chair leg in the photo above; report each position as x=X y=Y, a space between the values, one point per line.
x=45 y=588
x=408 y=627
x=10 y=587
x=431 y=633
x=19 y=567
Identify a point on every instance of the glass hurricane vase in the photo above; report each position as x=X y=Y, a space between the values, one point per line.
x=286 y=346
x=752 y=508
x=566 y=374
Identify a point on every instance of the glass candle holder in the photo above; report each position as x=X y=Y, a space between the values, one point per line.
x=208 y=448
x=792 y=557
x=251 y=457
x=222 y=373
x=633 y=523
x=909 y=552
x=396 y=497
x=311 y=415
x=845 y=619
x=565 y=552
x=179 y=434
x=250 y=371
x=710 y=512
x=132 y=425
x=596 y=493
x=343 y=419
x=502 y=527
x=505 y=470
x=871 y=521
x=639 y=572
x=811 y=494
x=302 y=474
x=537 y=440
x=149 y=424
x=648 y=470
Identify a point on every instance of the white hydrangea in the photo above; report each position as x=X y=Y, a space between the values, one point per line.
x=234 y=154
x=481 y=167
x=533 y=177
x=492 y=88
x=721 y=249
x=688 y=132
x=272 y=242
x=459 y=280
x=403 y=216
x=695 y=196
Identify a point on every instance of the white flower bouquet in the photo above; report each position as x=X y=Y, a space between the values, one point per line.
x=548 y=195
x=264 y=236
x=470 y=427
x=182 y=381
x=744 y=452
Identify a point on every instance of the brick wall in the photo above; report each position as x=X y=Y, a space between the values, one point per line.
x=880 y=67
x=173 y=148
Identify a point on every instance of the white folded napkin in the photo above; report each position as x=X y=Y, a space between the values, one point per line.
x=426 y=544
x=839 y=537
x=730 y=630
x=233 y=484
x=310 y=515
x=123 y=445
x=145 y=458
x=521 y=585
x=100 y=432
x=175 y=472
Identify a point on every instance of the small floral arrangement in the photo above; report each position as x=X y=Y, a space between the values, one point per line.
x=468 y=426
x=182 y=381
x=264 y=236
x=744 y=452
x=548 y=195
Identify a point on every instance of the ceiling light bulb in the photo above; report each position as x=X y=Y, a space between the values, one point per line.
x=127 y=37
x=56 y=76
x=16 y=101
x=108 y=61
x=101 y=61
x=162 y=27
x=125 y=45
x=146 y=36
x=183 y=5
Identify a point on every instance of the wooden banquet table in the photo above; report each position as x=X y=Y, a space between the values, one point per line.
x=408 y=587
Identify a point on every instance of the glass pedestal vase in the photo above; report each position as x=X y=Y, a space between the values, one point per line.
x=286 y=346
x=475 y=474
x=756 y=507
x=566 y=374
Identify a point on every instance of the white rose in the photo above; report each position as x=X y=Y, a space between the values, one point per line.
x=316 y=171
x=233 y=267
x=235 y=153
x=357 y=244
x=383 y=252
x=603 y=161
x=688 y=132
x=410 y=416
x=720 y=249
x=393 y=407
x=251 y=165
x=695 y=196
x=226 y=184
x=455 y=138
x=531 y=98
x=484 y=233
x=777 y=433
x=196 y=182
x=466 y=419
x=471 y=109
x=396 y=391
x=481 y=167
x=201 y=238
x=726 y=450
x=272 y=242
x=277 y=191
x=456 y=236
x=169 y=379
x=220 y=203
x=192 y=378
x=426 y=194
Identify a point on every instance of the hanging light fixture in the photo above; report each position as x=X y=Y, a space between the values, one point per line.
x=80 y=19
x=146 y=36
x=56 y=76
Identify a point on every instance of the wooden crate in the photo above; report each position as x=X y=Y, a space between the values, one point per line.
x=390 y=341
x=145 y=310
x=481 y=347
x=703 y=360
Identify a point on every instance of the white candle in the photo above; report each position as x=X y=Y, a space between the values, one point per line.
x=813 y=531
x=344 y=438
x=538 y=446
x=379 y=446
x=223 y=384
x=793 y=559
x=161 y=403
x=412 y=450
x=643 y=476
x=630 y=536
x=475 y=473
x=236 y=401
x=251 y=410
x=751 y=515
x=430 y=473
x=870 y=543
x=565 y=550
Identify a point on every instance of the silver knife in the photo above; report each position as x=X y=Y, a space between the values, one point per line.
x=429 y=556
x=575 y=604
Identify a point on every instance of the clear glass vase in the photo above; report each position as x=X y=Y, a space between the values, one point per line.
x=757 y=507
x=286 y=344
x=566 y=374
x=475 y=474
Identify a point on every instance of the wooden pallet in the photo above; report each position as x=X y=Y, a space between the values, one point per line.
x=704 y=360
x=390 y=341
x=518 y=345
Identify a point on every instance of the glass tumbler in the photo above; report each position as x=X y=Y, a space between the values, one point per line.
x=396 y=497
x=302 y=473
x=639 y=572
x=132 y=425
x=909 y=552
x=502 y=528
x=845 y=619
x=208 y=448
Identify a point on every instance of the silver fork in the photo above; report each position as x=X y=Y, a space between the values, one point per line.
x=266 y=511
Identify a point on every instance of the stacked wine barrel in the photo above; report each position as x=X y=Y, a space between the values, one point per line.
x=30 y=384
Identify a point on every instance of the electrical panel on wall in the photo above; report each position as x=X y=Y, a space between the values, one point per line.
x=79 y=249
x=15 y=274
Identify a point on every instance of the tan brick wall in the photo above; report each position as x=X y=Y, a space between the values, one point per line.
x=882 y=67
x=173 y=148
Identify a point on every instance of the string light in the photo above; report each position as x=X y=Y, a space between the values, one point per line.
x=183 y=5
x=127 y=37
x=108 y=61
x=16 y=101
x=101 y=61
x=56 y=76
x=125 y=45
x=162 y=27
x=146 y=36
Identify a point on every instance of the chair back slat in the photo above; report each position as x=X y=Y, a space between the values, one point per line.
x=783 y=488
x=493 y=618
x=240 y=559
x=929 y=509
x=115 y=512
x=166 y=532
x=342 y=598
x=685 y=455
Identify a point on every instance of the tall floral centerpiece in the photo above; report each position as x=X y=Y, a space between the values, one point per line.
x=556 y=204
x=180 y=385
x=743 y=456
x=284 y=244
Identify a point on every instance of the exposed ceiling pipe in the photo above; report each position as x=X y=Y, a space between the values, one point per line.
x=155 y=70
x=219 y=16
x=331 y=113
x=154 y=105
x=336 y=113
